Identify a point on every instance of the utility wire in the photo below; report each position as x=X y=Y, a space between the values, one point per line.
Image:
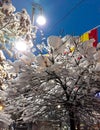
x=66 y=15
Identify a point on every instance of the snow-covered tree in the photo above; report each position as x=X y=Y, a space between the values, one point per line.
x=60 y=85
x=67 y=76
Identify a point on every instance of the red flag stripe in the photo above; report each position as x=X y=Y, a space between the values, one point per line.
x=94 y=34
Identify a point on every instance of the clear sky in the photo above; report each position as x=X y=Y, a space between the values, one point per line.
x=65 y=16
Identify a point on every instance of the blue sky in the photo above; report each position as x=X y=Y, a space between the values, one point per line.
x=81 y=19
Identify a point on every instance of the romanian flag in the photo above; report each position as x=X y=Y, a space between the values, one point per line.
x=92 y=34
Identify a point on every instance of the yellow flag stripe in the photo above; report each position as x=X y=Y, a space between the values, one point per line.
x=84 y=37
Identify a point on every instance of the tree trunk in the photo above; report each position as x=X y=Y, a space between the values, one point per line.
x=72 y=120
x=78 y=123
x=60 y=125
x=78 y=126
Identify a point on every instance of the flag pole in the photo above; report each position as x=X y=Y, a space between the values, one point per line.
x=93 y=28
